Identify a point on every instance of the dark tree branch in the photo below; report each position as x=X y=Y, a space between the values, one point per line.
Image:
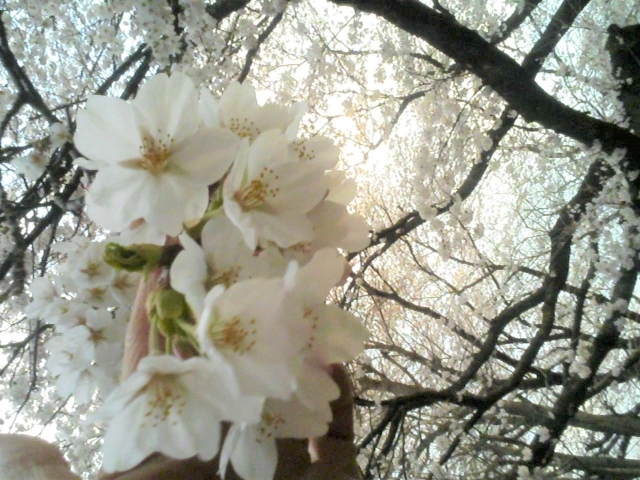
x=20 y=78
x=223 y=8
x=557 y=27
x=251 y=54
x=575 y=390
x=514 y=21
x=499 y=71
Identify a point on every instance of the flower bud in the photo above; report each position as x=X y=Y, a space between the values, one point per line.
x=170 y=304
x=134 y=258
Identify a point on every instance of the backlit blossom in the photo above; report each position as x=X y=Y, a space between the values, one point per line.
x=255 y=329
x=155 y=160
x=31 y=166
x=223 y=259
x=239 y=111
x=267 y=194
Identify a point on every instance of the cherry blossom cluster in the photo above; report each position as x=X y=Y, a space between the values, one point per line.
x=256 y=218
x=89 y=304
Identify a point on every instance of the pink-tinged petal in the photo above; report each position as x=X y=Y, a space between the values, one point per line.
x=106 y=131
x=319 y=276
x=267 y=151
x=209 y=110
x=285 y=229
x=340 y=335
x=169 y=105
x=207 y=155
x=253 y=456
x=300 y=186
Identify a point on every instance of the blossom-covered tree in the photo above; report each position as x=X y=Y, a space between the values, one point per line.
x=497 y=162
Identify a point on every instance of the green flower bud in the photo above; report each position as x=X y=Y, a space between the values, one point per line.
x=170 y=304
x=135 y=258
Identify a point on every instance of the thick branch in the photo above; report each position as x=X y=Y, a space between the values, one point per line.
x=557 y=27
x=613 y=424
x=223 y=8
x=499 y=71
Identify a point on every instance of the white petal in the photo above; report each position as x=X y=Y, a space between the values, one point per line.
x=319 y=276
x=296 y=111
x=238 y=101
x=189 y=273
x=207 y=155
x=285 y=228
x=340 y=335
x=171 y=200
x=106 y=131
x=253 y=456
x=169 y=106
x=301 y=186
x=267 y=151
x=315 y=390
x=209 y=109
x=244 y=222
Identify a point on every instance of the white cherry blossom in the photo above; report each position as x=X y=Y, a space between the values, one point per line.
x=31 y=166
x=71 y=362
x=239 y=111
x=251 y=448
x=223 y=259
x=87 y=269
x=254 y=327
x=267 y=194
x=333 y=225
x=46 y=296
x=154 y=159
x=173 y=407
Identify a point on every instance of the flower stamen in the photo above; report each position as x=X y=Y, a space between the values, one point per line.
x=154 y=154
x=257 y=191
x=234 y=335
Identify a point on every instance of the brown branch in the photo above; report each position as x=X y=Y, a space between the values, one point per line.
x=575 y=391
x=223 y=8
x=557 y=27
x=251 y=54
x=514 y=21
x=499 y=71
